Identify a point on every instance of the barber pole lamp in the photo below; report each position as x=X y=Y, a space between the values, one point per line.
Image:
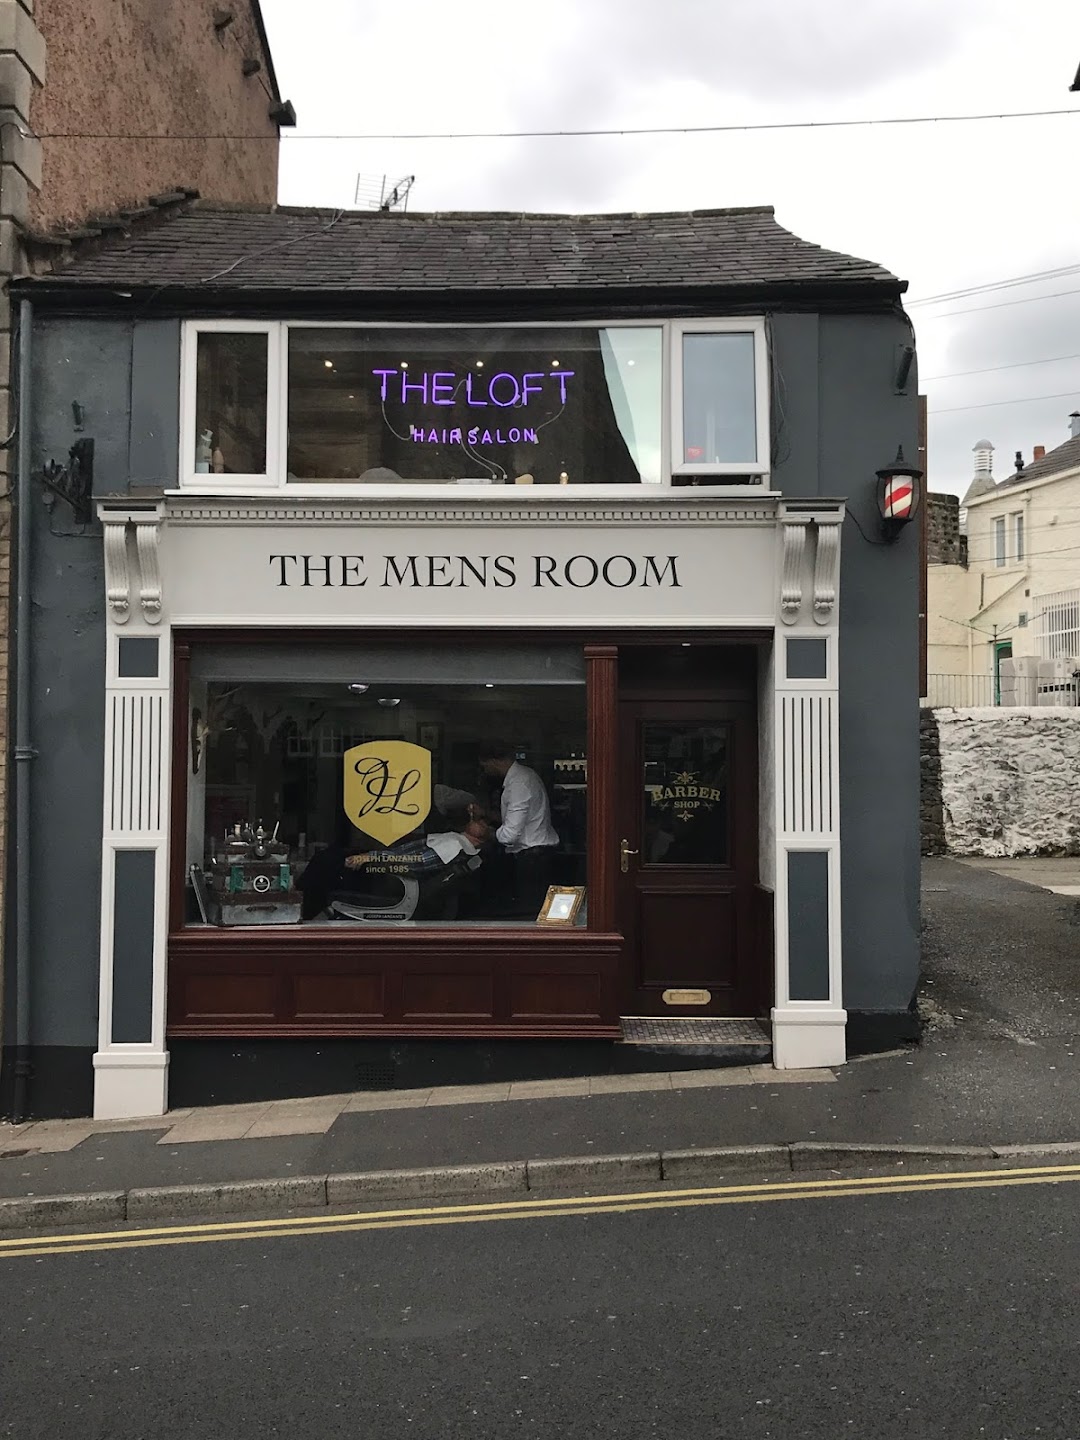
x=899 y=495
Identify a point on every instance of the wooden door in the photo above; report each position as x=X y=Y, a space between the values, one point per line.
x=688 y=855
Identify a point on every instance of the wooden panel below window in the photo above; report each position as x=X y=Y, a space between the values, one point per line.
x=353 y=997
x=295 y=982
x=556 y=994
x=231 y=997
x=430 y=997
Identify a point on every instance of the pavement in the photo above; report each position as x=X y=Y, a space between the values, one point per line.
x=996 y=1070
x=946 y=1310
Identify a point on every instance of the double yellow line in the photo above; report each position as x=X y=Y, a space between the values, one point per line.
x=326 y=1224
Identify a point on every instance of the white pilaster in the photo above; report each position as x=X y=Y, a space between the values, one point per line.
x=808 y=1029
x=131 y=1069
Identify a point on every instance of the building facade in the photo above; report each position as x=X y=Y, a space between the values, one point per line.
x=95 y=98
x=399 y=518
x=1008 y=591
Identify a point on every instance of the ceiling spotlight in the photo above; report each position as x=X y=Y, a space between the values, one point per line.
x=359 y=688
x=479 y=364
x=489 y=684
x=386 y=700
x=329 y=364
x=404 y=364
x=555 y=363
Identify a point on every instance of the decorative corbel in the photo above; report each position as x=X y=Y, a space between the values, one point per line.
x=793 y=532
x=146 y=539
x=117 y=578
x=826 y=569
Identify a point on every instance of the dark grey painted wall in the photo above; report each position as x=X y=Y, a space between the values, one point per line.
x=835 y=398
x=128 y=389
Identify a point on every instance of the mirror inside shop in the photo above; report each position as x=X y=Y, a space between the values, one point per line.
x=358 y=803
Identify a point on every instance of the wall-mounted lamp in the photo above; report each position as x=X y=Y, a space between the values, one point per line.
x=899 y=494
x=73 y=482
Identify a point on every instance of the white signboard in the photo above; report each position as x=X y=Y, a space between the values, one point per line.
x=560 y=574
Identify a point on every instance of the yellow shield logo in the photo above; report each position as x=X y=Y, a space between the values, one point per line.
x=387 y=788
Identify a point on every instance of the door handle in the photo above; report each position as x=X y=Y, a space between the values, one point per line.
x=624 y=856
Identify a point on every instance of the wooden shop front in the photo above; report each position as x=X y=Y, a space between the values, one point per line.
x=654 y=799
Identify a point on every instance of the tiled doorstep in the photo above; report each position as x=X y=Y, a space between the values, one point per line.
x=315 y=1115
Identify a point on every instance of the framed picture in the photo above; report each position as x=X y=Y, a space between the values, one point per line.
x=429 y=736
x=562 y=905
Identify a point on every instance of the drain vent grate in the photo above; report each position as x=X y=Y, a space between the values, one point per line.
x=376 y=1076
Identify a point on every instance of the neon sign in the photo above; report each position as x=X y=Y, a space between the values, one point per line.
x=444 y=387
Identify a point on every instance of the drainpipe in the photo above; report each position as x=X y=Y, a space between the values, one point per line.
x=24 y=751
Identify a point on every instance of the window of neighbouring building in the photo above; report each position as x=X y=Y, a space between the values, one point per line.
x=1057 y=625
x=679 y=402
x=1000 y=554
x=378 y=785
x=1018 y=536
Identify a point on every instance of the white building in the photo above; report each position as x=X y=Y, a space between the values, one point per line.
x=1010 y=588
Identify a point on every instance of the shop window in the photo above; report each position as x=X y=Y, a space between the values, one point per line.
x=507 y=406
x=367 y=786
x=228 y=419
x=683 y=402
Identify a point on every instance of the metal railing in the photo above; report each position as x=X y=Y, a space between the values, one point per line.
x=1057 y=624
x=961 y=691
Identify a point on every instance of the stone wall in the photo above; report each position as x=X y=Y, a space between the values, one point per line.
x=944 y=543
x=931 y=821
x=1008 y=781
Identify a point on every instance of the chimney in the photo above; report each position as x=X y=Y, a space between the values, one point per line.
x=1074 y=424
x=1019 y=462
x=1038 y=453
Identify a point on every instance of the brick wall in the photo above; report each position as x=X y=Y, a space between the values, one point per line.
x=119 y=67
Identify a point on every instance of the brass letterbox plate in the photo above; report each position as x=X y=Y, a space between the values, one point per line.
x=687 y=997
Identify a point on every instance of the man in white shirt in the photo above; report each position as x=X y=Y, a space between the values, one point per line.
x=525 y=831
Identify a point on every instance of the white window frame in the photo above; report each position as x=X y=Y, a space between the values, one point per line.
x=277 y=438
x=681 y=328
x=1001 y=543
x=274 y=477
x=1019 y=538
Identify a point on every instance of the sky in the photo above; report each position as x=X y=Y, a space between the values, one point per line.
x=945 y=206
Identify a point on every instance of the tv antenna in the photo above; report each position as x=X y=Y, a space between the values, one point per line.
x=379 y=192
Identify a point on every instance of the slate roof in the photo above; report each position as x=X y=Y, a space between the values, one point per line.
x=1054 y=462
x=245 y=250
